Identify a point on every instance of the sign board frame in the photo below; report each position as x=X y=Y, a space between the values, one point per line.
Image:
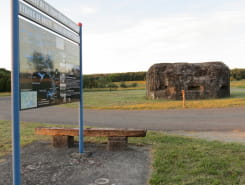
x=63 y=27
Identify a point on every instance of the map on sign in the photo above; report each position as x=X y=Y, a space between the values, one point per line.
x=28 y=99
x=49 y=60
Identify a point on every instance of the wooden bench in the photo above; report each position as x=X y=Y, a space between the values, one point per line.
x=117 y=138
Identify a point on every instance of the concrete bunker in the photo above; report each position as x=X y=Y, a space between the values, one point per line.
x=199 y=80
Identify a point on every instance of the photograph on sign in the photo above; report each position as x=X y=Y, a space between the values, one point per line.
x=49 y=67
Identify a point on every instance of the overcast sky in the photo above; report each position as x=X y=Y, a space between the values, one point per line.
x=132 y=35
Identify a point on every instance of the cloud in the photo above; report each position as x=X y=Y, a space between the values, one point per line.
x=87 y=10
x=5 y=35
x=181 y=38
x=120 y=43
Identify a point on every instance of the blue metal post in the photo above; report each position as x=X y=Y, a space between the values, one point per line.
x=81 y=146
x=15 y=94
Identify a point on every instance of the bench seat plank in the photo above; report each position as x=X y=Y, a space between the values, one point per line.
x=94 y=132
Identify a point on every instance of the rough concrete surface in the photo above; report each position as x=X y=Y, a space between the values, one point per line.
x=44 y=164
x=198 y=80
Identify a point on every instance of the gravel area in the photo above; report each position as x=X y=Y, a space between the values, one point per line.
x=43 y=164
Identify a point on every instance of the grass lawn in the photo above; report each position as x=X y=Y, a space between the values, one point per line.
x=136 y=100
x=187 y=161
x=176 y=160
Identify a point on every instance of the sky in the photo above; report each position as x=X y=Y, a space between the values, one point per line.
x=132 y=35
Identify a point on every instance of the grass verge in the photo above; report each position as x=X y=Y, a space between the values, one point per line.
x=176 y=160
x=27 y=134
x=238 y=84
x=5 y=94
x=187 y=161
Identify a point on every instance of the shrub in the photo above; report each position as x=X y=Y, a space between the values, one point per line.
x=112 y=85
x=134 y=85
x=123 y=85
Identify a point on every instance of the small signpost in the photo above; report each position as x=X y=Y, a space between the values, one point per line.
x=46 y=64
x=183 y=98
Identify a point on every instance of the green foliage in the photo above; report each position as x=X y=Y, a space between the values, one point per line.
x=95 y=82
x=133 y=85
x=237 y=74
x=5 y=80
x=112 y=85
x=130 y=76
x=123 y=85
x=102 y=80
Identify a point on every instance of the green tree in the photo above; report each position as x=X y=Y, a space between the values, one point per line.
x=5 y=80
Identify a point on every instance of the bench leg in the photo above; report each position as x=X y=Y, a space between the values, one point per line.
x=63 y=141
x=117 y=143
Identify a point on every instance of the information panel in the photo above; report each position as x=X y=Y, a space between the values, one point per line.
x=49 y=67
x=47 y=64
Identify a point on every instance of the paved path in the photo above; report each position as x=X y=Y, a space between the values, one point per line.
x=226 y=119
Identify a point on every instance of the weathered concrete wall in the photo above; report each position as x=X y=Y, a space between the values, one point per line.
x=199 y=80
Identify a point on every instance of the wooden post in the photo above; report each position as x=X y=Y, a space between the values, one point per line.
x=117 y=143
x=63 y=141
x=183 y=98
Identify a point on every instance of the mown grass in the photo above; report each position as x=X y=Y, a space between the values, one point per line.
x=176 y=160
x=136 y=100
x=187 y=161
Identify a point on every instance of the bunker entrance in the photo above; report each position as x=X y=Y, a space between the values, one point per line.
x=194 y=88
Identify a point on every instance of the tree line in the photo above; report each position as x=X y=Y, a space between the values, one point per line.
x=106 y=80
x=237 y=74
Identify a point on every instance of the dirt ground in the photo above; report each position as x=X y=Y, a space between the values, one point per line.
x=43 y=164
